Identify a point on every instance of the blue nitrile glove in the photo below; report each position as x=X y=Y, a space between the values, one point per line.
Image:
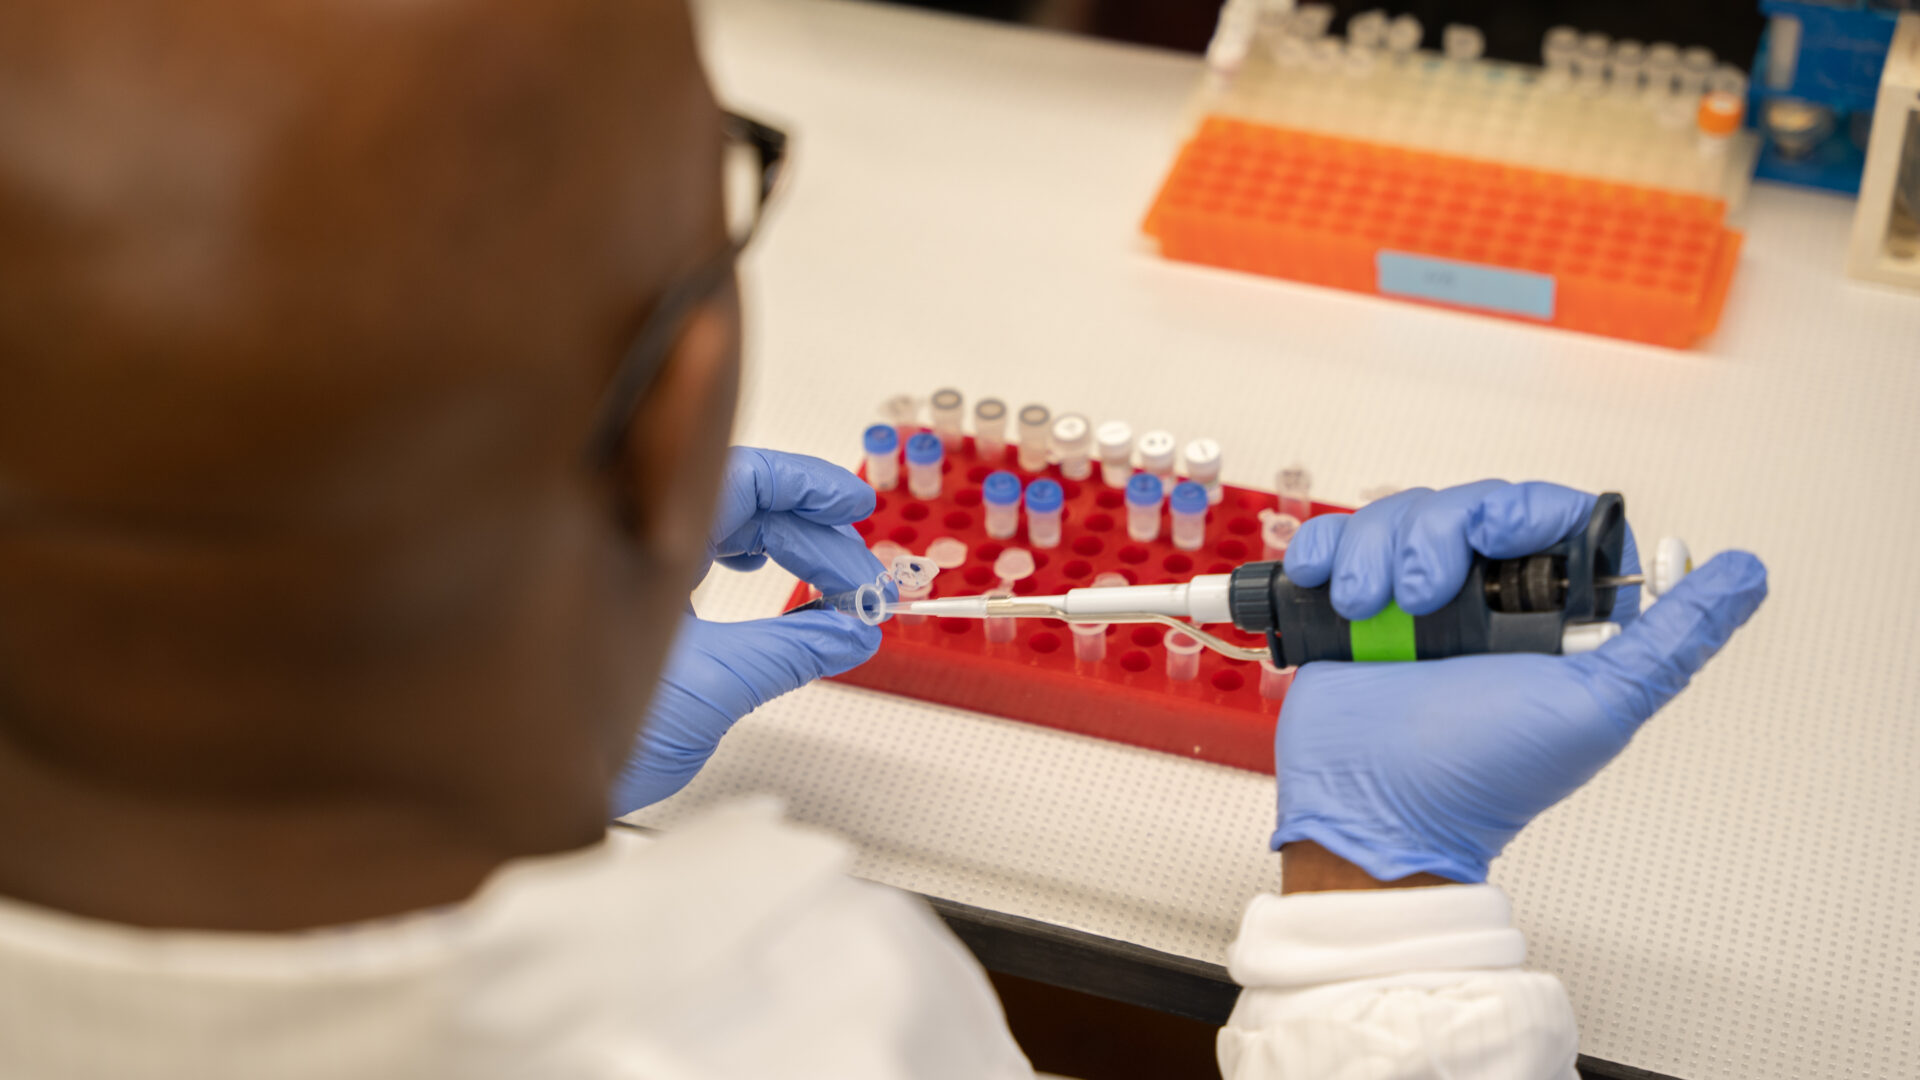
x=797 y=510
x=1434 y=765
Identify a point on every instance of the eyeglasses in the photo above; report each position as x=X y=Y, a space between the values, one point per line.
x=755 y=155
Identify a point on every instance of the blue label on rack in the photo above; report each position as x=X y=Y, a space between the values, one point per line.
x=1449 y=281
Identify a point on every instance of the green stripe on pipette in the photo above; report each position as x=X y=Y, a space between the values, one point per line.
x=1386 y=636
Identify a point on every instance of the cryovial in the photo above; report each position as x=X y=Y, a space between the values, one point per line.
x=1203 y=468
x=1089 y=641
x=1663 y=60
x=1000 y=498
x=946 y=416
x=1044 y=500
x=924 y=457
x=883 y=457
x=1189 y=506
x=1274 y=680
x=1035 y=421
x=1143 y=507
x=1001 y=628
x=1072 y=445
x=1115 y=439
x=1696 y=65
x=1624 y=69
x=1590 y=63
x=1156 y=453
x=1294 y=485
x=1276 y=532
x=1183 y=657
x=990 y=429
x=948 y=553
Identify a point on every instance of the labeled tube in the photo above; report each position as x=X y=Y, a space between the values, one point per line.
x=924 y=457
x=1073 y=446
x=1156 y=453
x=1274 y=681
x=882 y=444
x=1203 y=468
x=1044 y=501
x=1189 y=511
x=1183 y=657
x=1000 y=628
x=1089 y=641
x=1115 y=441
x=990 y=429
x=1035 y=420
x=1143 y=507
x=947 y=404
x=1294 y=485
x=1000 y=499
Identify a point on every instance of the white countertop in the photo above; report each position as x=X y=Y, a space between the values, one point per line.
x=1735 y=897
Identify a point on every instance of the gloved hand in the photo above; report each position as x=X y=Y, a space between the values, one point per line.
x=1434 y=765
x=798 y=510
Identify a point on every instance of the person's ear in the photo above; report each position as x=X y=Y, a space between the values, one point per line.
x=676 y=447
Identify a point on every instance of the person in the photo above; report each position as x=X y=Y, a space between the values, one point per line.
x=366 y=373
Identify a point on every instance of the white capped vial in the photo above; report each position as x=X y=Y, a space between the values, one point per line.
x=1073 y=446
x=1156 y=453
x=924 y=457
x=1294 y=486
x=1276 y=532
x=1274 y=680
x=1014 y=566
x=1115 y=442
x=1188 y=505
x=882 y=444
x=1001 y=628
x=1113 y=579
x=1203 y=468
x=948 y=553
x=1044 y=499
x=947 y=410
x=1143 y=507
x=1089 y=641
x=1183 y=656
x=1035 y=422
x=1000 y=502
x=990 y=429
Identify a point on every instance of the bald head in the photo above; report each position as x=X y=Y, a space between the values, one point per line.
x=304 y=308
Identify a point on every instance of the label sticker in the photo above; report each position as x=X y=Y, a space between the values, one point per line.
x=1474 y=285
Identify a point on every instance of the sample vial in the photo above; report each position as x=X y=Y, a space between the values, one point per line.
x=1156 y=453
x=1718 y=118
x=882 y=444
x=1183 y=657
x=1203 y=468
x=1072 y=445
x=1590 y=63
x=1462 y=44
x=1012 y=567
x=912 y=587
x=1367 y=30
x=1000 y=498
x=1115 y=440
x=1109 y=579
x=1189 y=506
x=1276 y=532
x=1624 y=68
x=947 y=404
x=1294 y=485
x=1089 y=641
x=1274 y=680
x=990 y=429
x=903 y=412
x=1696 y=64
x=1044 y=500
x=948 y=553
x=1403 y=36
x=887 y=551
x=1663 y=60
x=1001 y=628
x=1143 y=507
x=1034 y=422
x=924 y=455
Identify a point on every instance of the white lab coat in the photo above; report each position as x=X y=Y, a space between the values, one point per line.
x=737 y=946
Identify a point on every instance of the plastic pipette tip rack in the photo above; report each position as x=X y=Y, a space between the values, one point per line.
x=1127 y=696
x=1592 y=255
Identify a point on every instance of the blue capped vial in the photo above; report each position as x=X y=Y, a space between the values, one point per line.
x=924 y=455
x=1143 y=507
x=883 y=457
x=1044 y=500
x=1000 y=498
x=1189 y=511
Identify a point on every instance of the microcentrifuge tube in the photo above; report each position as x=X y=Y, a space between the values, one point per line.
x=1663 y=60
x=1156 y=453
x=868 y=603
x=903 y=412
x=1001 y=628
x=1183 y=656
x=1461 y=43
x=924 y=457
x=1000 y=499
x=1089 y=641
x=1294 y=486
x=1013 y=566
x=1274 y=680
x=947 y=404
x=1115 y=440
x=1403 y=36
x=948 y=553
x=1072 y=439
x=1276 y=532
x=1044 y=500
x=1696 y=65
x=1625 y=67
x=990 y=429
x=1035 y=424
x=1110 y=579
x=1367 y=30
x=883 y=456
x=1590 y=63
x=1203 y=468
x=887 y=551
x=914 y=575
x=1189 y=511
x=1143 y=507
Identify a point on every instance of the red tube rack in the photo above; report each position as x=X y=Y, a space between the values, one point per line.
x=1127 y=697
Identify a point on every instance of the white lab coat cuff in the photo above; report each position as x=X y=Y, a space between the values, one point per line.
x=1312 y=938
